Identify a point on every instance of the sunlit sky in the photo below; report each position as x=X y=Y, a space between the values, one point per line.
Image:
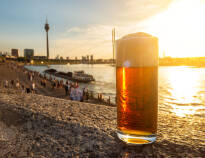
x=81 y=27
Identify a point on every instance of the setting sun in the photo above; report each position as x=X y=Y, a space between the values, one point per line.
x=180 y=29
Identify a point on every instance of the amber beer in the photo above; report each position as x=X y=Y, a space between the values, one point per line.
x=137 y=88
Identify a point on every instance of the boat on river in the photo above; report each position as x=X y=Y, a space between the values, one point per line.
x=76 y=76
x=50 y=71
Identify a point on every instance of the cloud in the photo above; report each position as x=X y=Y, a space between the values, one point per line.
x=97 y=38
x=93 y=39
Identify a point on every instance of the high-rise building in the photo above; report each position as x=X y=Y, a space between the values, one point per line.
x=91 y=58
x=29 y=53
x=15 y=53
x=87 y=57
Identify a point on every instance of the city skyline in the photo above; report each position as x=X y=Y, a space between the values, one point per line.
x=79 y=28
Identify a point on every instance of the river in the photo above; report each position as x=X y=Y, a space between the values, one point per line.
x=181 y=88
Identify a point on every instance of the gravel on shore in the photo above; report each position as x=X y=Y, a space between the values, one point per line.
x=39 y=126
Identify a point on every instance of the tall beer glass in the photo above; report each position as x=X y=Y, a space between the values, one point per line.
x=137 y=88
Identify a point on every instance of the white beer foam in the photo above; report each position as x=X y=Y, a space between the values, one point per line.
x=137 y=50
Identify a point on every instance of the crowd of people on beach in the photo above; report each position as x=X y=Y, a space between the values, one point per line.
x=35 y=80
x=16 y=83
x=72 y=90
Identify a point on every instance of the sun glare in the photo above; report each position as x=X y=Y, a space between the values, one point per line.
x=180 y=28
x=184 y=82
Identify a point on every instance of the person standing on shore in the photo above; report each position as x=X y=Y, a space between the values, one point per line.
x=17 y=84
x=44 y=83
x=79 y=94
x=72 y=93
x=12 y=83
x=67 y=87
x=22 y=88
x=6 y=84
x=33 y=87
x=28 y=90
x=33 y=75
x=61 y=83
x=54 y=83
x=50 y=78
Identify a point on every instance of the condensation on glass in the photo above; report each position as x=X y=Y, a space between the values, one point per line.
x=137 y=88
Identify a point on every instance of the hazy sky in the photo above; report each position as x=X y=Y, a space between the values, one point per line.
x=81 y=27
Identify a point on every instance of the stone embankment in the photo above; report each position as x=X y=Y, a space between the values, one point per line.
x=39 y=126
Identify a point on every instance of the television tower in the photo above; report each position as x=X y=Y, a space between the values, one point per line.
x=47 y=28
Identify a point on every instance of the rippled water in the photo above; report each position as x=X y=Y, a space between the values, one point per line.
x=181 y=88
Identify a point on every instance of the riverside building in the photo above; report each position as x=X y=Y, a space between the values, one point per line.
x=29 y=53
x=15 y=53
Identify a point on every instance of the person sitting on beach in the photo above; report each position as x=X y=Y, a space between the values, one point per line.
x=28 y=90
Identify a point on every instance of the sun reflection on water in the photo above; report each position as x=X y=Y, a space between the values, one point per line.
x=184 y=90
x=183 y=111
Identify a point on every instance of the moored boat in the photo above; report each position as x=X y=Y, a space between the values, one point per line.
x=82 y=76
x=77 y=76
x=50 y=71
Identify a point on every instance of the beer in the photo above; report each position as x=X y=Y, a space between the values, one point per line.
x=137 y=88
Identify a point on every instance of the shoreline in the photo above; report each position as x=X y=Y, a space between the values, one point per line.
x=162 y=65
x=16 y=71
